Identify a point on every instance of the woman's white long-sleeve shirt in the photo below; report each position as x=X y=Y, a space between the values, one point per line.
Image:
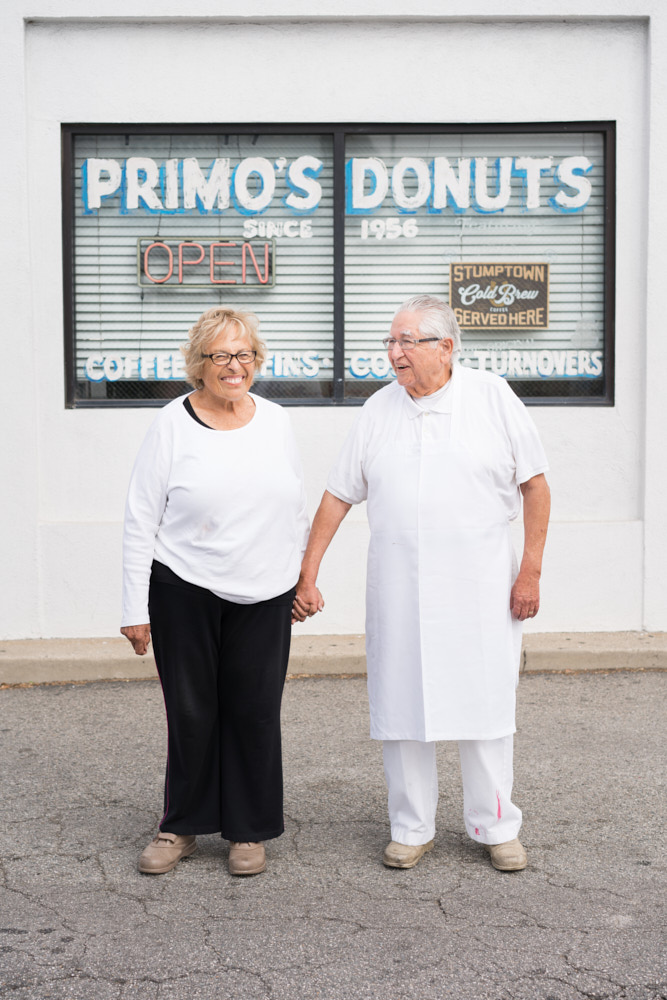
x=225 y=510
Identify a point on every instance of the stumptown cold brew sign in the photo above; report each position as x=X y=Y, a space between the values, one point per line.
x=500 y=296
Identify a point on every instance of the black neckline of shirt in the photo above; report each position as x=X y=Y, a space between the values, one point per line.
x=189 y=407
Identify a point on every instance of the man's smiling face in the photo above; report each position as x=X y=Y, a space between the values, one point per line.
x=425 y=368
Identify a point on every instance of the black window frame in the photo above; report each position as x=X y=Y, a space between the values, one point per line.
x=338 y=132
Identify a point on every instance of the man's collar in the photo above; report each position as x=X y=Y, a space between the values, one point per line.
x=443 y=404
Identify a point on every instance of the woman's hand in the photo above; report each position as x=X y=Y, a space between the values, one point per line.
x=139 y=636
x=308 y=602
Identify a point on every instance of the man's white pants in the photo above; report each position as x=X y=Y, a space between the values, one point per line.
x=412 y=781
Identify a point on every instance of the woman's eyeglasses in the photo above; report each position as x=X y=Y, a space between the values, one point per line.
x=222 y=358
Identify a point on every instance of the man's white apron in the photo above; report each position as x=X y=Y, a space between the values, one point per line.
x=442 y=647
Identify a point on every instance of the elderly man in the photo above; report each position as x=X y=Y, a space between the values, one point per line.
x=442 y=456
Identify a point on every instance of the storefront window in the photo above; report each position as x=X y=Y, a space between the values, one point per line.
x=323 y=232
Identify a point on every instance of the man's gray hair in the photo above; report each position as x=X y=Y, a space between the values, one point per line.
x=438 y=319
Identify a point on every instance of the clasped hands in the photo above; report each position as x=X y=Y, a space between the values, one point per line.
x=308 y=602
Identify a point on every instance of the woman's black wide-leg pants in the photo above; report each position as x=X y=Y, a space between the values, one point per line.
x=222 y=667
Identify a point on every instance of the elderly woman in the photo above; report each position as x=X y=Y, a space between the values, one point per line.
x=215 y=529
x=442 y=456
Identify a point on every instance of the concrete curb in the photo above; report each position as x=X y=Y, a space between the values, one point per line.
x=560 y=652
x=61 y=661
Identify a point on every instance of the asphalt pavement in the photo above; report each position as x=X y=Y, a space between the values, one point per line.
x=81 y=769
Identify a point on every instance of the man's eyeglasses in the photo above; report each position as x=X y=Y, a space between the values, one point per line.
x=245 y=357
x=405 y=343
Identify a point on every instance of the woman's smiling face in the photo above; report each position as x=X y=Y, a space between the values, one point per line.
x=229 y=382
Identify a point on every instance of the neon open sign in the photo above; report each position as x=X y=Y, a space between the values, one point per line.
x=175 y=263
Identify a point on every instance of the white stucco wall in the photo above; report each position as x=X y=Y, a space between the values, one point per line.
x=68 y=469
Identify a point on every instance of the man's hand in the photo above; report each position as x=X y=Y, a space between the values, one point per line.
x=330 y=513
x=139 y=636
x=525 y=596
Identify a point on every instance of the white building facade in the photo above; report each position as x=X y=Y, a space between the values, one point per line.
x=328 y=160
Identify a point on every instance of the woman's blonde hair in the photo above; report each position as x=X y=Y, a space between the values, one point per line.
x=209 y=325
